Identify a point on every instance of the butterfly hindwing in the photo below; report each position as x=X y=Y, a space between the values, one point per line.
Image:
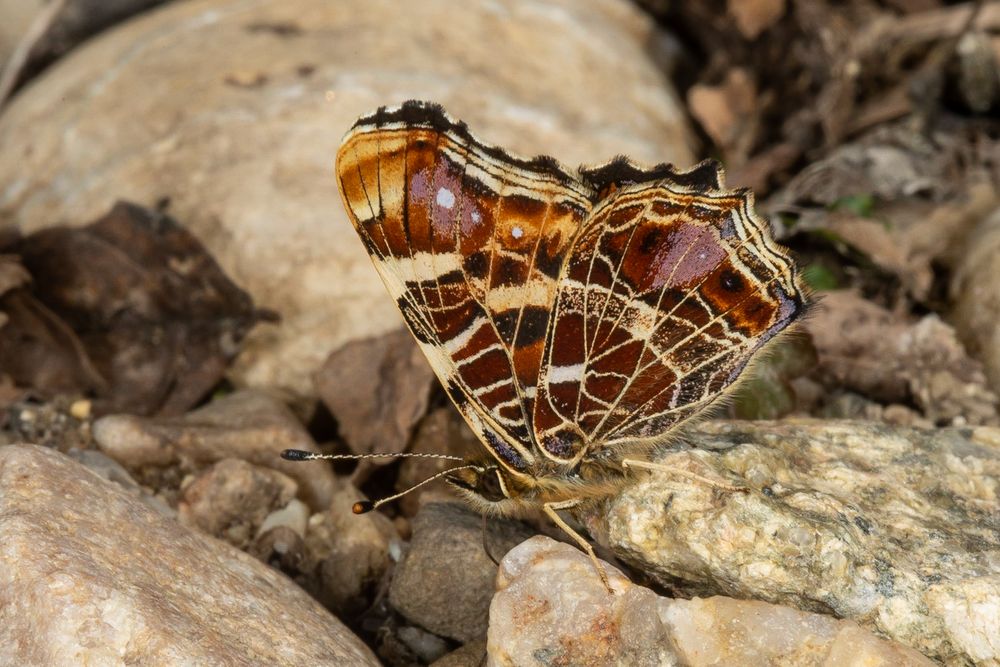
x=470 y=242
x=670 y=288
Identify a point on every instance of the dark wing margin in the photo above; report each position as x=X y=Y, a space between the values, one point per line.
x=622 y=172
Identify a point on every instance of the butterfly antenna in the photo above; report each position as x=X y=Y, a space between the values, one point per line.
x=365 y=506
x=303 y=455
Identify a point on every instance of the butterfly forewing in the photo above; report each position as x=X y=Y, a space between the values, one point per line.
x=669 y=290
x=470 y=242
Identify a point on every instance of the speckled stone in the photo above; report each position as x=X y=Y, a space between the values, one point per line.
x=551 y=608
x=445 y=581
x=91 y=575
x=896 y=528
x=249 y=424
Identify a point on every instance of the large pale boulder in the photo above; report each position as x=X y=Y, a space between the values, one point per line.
x=550 y=603
x=895 y=528
x=90 y=575
x=233 y=110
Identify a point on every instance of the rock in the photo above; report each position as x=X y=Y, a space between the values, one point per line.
x=294 y=515
x=866 y=348
x=239 y=138
x=550 y=603
x=92 y=576
x=769 y=390
x=280 y=547
x=445 y=581
x=377 y=389
x=112 y=471
x=467 y=655
x=721 y=630
x=424 y=645
x=895 y=528
x=976 y=298
x=348 y=555
x=848 y=405
x=232 y=498
x=249 y=425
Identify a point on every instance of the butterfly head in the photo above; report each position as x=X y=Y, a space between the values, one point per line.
x=487 y=486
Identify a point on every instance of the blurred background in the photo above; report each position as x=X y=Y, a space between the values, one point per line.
x=176 y=266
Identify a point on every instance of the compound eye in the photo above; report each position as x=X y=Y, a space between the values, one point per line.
x=491 y=487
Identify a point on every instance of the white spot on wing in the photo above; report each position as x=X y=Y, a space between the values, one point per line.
x=517 y=232
x=445 y=198
x=559 y=374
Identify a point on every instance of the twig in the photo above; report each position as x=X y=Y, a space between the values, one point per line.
x=15 y=64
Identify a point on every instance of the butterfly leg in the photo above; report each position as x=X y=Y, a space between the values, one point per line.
x=486 y=545
x=551 y=509
x=680 y=472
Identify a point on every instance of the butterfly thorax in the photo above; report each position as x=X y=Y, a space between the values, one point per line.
x=496 y=490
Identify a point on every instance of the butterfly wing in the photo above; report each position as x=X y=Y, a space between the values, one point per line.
x=469 y=241
x=667 y=293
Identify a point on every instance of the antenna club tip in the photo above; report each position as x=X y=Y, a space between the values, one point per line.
x=362 y=507
x=296 y=455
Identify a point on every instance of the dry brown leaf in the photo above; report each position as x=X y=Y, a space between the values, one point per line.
x=883 y=244
x=12 y=274
x=728 y=112
x=753 y=17
x=38 y=350
x=130 y=308
x=757 y=172
x=887 y=357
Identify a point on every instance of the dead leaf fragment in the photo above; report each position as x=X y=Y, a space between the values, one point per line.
x=892 y=359
x=130 y=309
x=12 y=274
x=728 y=113
x=753 y=17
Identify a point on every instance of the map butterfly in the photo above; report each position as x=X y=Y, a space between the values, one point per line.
x=575 y=319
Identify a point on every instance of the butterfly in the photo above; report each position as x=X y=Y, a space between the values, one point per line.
x=575 y=319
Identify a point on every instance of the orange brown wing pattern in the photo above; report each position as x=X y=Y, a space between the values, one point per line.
x=470 y=242
x=667 y=293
